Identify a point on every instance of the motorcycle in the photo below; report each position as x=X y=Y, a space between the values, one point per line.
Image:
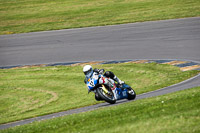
x=110 y=94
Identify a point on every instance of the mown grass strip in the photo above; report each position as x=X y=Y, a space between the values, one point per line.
x=176 y=112
x=40 y=15
x=31 y=92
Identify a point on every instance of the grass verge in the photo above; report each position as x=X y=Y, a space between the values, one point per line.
x=176 y=112
x=31 y=92
x=40 y=15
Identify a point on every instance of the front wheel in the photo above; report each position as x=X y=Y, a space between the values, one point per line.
x=106 y=94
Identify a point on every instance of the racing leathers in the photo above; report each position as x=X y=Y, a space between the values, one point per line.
x=108 y=79
x=107 y=74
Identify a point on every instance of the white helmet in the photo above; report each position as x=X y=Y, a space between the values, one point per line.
x=88 y=71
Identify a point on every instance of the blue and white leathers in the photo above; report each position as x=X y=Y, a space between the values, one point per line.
x=99 y=79
x=92 y=81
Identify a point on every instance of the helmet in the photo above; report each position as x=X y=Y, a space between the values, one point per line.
x=88 y=71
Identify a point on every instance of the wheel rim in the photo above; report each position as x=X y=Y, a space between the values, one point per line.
x=131 y=92
x=110 y=96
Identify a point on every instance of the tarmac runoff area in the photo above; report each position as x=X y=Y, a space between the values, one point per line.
x=183 y=64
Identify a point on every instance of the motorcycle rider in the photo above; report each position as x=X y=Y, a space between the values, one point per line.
x=88 y=71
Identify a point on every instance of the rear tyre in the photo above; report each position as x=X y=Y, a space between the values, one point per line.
x=131 y=94
x=105 y=96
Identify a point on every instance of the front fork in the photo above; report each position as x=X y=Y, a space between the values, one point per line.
x=113 y=90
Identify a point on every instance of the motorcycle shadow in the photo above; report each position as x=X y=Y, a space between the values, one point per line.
x=117 y=103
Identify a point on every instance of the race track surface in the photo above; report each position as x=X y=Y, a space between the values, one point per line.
x=169 y=39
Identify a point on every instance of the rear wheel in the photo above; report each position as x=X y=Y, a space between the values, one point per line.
x=106 y=94
x=131 y=94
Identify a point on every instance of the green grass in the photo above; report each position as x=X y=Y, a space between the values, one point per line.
x=20 y=16
x=30 y=92
x=172 y=113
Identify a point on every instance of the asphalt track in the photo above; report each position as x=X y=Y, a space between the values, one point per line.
x=169 y=39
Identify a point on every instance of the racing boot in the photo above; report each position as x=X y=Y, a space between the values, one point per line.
x=120 y=82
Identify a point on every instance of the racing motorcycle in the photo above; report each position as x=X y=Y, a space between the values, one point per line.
x=111 y=93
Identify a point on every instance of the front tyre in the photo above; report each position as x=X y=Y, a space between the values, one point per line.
x=107 y=95
x=97 y=97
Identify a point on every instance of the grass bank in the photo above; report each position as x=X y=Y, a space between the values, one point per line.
x=177 y=112
x=40 y=15
x=30 y=92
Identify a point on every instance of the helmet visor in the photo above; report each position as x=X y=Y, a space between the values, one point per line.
x=88 y=73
